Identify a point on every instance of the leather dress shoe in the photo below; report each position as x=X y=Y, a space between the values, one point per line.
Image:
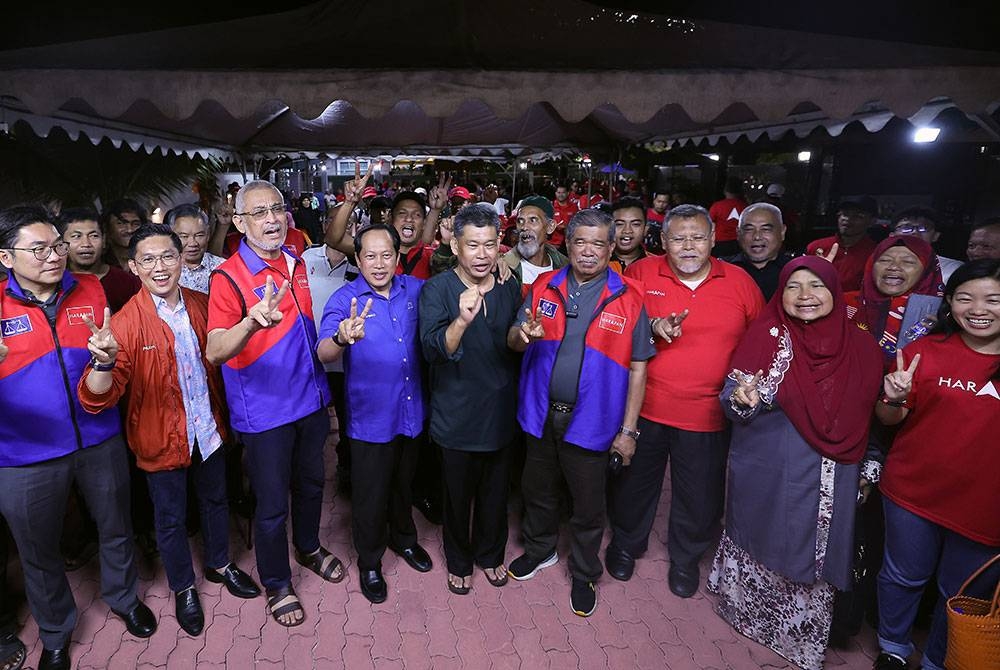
x=237 y=582
x=683 y=582
x=620 y=563
x=189 y=613
x=54 y=659
x=373 y=585
x=140 y=621
x=416 y=557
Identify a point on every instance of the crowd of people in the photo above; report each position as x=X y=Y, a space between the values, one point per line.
x=146 y=368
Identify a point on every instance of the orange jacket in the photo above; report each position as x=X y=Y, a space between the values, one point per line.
x=145 y=374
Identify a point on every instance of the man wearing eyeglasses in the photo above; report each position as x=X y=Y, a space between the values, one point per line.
x=923 y=222
x=152 y=354
x=261 y=331
x=47 y=440
x=699 y=308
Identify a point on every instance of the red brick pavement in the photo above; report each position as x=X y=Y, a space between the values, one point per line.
x=638 y=624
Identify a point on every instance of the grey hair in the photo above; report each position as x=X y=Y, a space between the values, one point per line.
x=186 y=211
x=688 y=212
x=591 y=218
x=479 y=215
x=766 y=206
x=254 y=185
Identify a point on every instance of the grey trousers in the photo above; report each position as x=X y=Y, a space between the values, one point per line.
x=33 y=500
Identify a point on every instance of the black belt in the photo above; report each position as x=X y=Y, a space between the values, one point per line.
x=561 y=407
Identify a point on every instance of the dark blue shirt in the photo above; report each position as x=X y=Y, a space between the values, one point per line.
x=382 y=370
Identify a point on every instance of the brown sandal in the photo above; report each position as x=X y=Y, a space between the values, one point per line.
x=284 y=601
x=497 y=581
x=460 y=590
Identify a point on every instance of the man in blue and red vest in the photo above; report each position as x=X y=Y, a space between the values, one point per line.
x=586 y=340
x=47 y=441
x=261 y=331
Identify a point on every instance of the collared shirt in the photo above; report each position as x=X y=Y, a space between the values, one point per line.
x=201 y=426
x=766 y=277
x=382 y=370
x=197 y=279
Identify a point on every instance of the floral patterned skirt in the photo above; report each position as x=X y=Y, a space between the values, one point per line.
x=790 y=618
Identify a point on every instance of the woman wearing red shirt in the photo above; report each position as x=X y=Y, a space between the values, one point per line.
x=942 y=474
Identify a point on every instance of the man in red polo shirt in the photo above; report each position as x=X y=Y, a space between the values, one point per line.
x=854 y=244
x=699 y=309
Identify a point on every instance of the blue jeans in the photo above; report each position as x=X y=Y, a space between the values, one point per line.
x=168 y=490
x=916 y=549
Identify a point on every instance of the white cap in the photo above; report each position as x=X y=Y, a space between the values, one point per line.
x=421 y=190
x=776 y=190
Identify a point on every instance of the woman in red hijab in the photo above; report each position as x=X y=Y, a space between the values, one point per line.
x=804 y=383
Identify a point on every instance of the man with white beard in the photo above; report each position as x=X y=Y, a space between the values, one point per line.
x=533 y=255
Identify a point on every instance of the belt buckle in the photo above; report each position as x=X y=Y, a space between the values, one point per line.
x=561 y=407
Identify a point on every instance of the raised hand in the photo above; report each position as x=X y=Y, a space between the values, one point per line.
x=352 y=329
x=746 y=394
x=669 y=327
x=829 y=255
x=102 y=344
x=265 y=314
x=503 y=271
x=355 y=187
x=438 y=197
x=532 y=329
x=470 y=303
x=897 y=385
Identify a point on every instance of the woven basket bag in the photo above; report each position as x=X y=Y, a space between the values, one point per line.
x=974 y=628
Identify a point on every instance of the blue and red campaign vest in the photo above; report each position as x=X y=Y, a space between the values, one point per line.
x=276 y=378
x=607 y=356
x=40 y=413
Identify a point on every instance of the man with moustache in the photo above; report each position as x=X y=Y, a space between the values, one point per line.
x=372 y=322
x=190 y=223
x=79 y=228
x=533 y=256
x=984 y=241
x=761 y=235
x=630 y=232
x=176 y=414
x=464 y=318
x=681 y=418
x=261 y=331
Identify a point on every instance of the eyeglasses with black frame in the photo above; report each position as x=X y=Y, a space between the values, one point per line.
x=42 y=253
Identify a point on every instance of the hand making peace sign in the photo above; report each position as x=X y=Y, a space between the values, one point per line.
x=438 y=197
x=532 y=329
x=352 y=329
x=265 y=314
x=897 y=385
x=669 y=327
x=102 y=344
x=829 y=255
x=746 y=394
x=355 y=187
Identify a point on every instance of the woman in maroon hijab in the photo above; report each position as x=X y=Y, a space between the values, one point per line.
x=804 y=383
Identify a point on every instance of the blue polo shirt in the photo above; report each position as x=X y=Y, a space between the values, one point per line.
x=385 y=396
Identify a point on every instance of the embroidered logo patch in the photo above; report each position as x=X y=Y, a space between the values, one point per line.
x=302 y=281
x=259 y=291
x=547 y=308
x=75 y=315
x=612 y=322
x=18 y=325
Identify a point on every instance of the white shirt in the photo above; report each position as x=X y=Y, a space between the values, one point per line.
x=324 y=280
x=530 y=271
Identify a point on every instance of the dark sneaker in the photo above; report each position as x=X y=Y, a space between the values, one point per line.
x=583 y=597
x=887 y=661
x=524 y=567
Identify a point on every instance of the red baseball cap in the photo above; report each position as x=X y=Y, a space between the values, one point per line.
x=369 y=192
x=460 y=192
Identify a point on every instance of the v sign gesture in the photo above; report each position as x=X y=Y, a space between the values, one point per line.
x=265 y=314
x=438 y=197
x=355 y=187
x=352 y=329
x=745 y=394
x=102 y=344
x=897 y=384
x=830 y=255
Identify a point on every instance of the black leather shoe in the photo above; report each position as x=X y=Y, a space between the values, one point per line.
x=237 y=582
x=373 y=585
x=140 y=621
x=430 y=511
x=683 y=582
x=54 y=659
x=416 y=558
x=189 y=613
x=619 y=563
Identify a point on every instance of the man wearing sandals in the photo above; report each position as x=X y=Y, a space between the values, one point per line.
x=465 y=314
x=372 y=322
x=261 y=331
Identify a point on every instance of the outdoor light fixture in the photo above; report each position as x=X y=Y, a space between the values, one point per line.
x=712 y=157
x=805 y=156
x=522 y=166
x=323 y=167
x=926 y=134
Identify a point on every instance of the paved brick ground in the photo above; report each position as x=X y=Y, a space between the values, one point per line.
x=638 y=624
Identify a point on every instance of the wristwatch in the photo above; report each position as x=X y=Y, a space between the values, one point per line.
x=101 y=367
x=336 y=339
x=634 y=434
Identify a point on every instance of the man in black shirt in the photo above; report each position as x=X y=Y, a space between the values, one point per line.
x=761 y=234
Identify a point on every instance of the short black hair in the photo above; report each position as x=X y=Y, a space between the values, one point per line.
x=74 y=214
x=119 y=207
x=628 y=202
x=985 y=223
x=393 y=235
x=148 y=230
x=13 y=219
x=408 y=195
x=380 y=202
x=916 y=213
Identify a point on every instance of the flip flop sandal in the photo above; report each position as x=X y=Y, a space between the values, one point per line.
x=323 y=563
x=497 y=581
x=284 y=601
x=458 y=590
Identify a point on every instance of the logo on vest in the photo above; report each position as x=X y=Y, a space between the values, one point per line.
x=259 y=291
x=75 y=315
x=303 y=281
x=612 y=322
x=547 y=308
x=18 y=325
x=970 y=386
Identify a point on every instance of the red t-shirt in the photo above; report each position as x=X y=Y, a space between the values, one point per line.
x=944 y=464
x=654 y=216
x=725 y=214
x=850 y=262
x=561 y=214
x=416 y=262
x=119 y=287
x=685 y=377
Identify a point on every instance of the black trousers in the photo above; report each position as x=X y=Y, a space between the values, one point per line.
x=548 y=461
x=697 y=489
x=475 y=494
x=339 y=398
x=382 y=481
